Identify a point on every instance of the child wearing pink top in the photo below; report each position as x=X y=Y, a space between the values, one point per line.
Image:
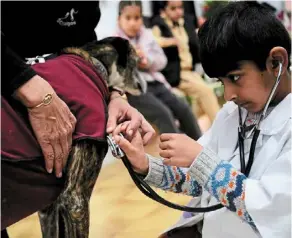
x=159 y=105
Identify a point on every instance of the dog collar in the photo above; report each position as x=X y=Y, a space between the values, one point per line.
x=100 y=69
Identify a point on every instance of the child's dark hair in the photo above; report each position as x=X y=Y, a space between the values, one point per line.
x=160 y=5
x=163 y=4
x=124 y=4
x=240 y=31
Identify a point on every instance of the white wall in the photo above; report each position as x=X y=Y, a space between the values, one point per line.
x=109 y=15
x=108 y=19
x=276 y=4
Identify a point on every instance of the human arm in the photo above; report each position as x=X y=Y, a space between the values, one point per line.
x=120 y=110
x=164 y=41
x=154 y=53
x=152 y=57
x=205 y=168
x=13 y=66
x=262 y=203
x=171 y=178
x=168 y=178
x=53 y=124
x=248 y=198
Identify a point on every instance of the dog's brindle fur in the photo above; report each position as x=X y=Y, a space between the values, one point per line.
x=120 y=60
x=68 y=216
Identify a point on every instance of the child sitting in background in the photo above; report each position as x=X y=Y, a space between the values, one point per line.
x=176 y=34
x=158 y=105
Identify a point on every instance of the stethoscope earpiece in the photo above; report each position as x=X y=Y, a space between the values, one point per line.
x=275 y=64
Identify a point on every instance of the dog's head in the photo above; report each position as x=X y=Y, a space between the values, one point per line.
x=120 y=60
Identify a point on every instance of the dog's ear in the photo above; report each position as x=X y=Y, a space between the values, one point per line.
x=122 y=46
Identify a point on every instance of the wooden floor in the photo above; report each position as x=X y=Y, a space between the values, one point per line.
x=118 y=208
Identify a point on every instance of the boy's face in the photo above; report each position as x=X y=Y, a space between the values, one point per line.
x=248 y=87
x=130 y=20
x=174 y=10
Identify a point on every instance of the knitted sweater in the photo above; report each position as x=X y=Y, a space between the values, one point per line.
x=209 y=172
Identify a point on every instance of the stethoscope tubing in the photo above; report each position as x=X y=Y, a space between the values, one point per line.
x=149 y=192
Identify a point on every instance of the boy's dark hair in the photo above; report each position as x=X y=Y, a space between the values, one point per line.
x=240 y=31
x=124 y=4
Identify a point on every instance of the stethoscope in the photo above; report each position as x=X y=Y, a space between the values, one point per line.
x=149 y=192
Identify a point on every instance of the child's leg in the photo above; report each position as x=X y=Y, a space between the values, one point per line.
x=180 y=109
x=155 y=112
x=194 y=86
x=4 y=234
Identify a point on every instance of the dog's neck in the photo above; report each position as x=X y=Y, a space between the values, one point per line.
x=101 y=69
x=98 y=65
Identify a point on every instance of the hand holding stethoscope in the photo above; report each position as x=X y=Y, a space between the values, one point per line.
x=245 y=169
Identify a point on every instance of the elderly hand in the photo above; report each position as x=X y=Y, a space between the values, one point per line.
x=119 y=111
x=134 y=150
x=178 y=149
x=53 y=124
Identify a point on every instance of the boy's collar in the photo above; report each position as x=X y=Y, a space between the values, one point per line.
x=275 y=121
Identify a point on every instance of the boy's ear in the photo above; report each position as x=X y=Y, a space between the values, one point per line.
x=276 y=56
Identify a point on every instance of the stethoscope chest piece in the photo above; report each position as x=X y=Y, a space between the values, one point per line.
x=114 y=147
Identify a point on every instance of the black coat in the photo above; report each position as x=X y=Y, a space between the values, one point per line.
x=35 y=28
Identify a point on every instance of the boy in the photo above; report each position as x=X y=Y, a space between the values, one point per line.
x=248 y=50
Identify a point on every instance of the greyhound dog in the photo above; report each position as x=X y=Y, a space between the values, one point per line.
x=68 y=216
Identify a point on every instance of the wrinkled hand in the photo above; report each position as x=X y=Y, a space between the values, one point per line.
x=178 y=149
x=52 y=124
x=134 y=150
x=120 y=110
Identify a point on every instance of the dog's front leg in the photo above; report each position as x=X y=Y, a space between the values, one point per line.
x=71 y=209
x=49 y=221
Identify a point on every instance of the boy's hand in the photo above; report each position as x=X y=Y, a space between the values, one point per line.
x=134 y=149
x=178 y=149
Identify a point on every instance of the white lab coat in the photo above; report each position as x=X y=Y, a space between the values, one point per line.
x=268 y=187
